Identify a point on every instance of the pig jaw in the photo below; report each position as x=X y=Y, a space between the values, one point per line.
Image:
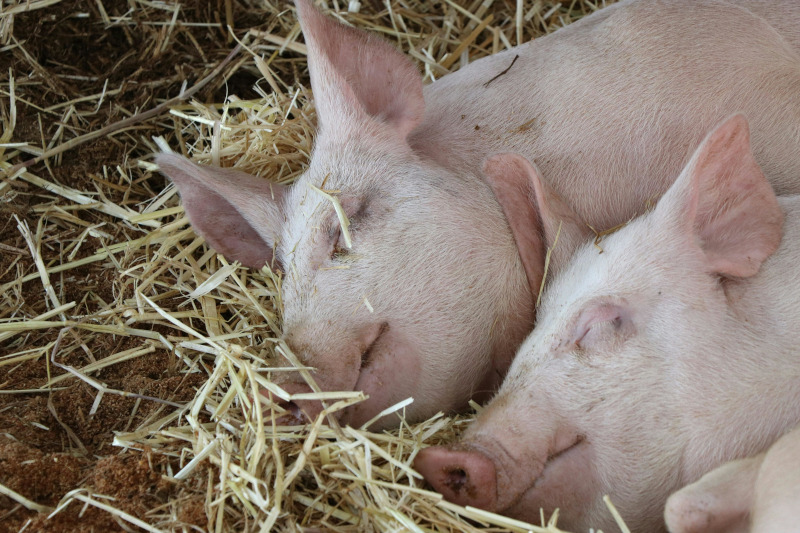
x=360 y=362
x=386 y=363
x=388 y=372
x=567 y=482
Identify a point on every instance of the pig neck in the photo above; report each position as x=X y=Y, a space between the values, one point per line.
x=476 y=112
x=759 y=361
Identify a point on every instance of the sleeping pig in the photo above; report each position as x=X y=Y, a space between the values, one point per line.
x=432 y=289
x=655 y=360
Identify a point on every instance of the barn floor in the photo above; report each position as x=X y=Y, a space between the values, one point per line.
x=128 y=349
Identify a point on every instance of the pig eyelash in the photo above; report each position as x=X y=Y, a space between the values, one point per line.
x=602 y=326
x=366 y=357
x=339 y=250
x=615 y=322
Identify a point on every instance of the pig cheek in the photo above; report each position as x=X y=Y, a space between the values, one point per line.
x=334 y=369
x=570 y=483
x=337 y=369
x=391 y=377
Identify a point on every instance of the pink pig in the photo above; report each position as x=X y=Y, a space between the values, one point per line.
x=436 y=291
x=669 y=353
x=758 y=494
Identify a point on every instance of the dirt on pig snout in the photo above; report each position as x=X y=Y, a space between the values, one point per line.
x=131 y=355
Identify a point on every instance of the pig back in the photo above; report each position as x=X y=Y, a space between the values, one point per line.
x=611 y=107
x=783 y=15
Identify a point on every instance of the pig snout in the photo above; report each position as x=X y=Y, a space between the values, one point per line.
x=361 y=358
x=298 y=412
x=465 y=477
x=510 y=463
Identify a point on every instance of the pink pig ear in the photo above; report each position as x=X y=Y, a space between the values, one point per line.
x=357 y=76
x=535 y=213
x=238 y=214
x=724 y=200
x=720 y=501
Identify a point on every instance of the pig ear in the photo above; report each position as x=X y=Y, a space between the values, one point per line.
x=720 y=501
x=723 y=199
x=238 y=214
x=535 y=213
x=356 y=75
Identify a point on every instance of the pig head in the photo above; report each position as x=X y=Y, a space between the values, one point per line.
x=403 y=305
x=431 y=288
x=667 y=354
x=396 y=303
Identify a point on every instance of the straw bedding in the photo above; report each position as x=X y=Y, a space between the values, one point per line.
x=131 y=353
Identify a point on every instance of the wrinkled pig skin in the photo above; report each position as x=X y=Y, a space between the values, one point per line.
x=437 y=291
x=668 y=353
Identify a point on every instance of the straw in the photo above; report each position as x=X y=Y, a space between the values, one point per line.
x=115 y=314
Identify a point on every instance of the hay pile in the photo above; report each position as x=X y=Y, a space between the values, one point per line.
x=131 y=353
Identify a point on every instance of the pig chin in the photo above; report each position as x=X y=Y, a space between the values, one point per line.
x=563 y=481
x=389 y=374
x=568 y=482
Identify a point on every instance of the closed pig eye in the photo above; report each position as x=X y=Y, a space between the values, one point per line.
x=356 y=210
x=600 y=324
x=595 y=332
x=339 y=249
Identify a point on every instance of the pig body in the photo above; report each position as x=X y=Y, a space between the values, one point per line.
x=613 y=100
x=758 y=494
x=669 y=353
x=437 y=290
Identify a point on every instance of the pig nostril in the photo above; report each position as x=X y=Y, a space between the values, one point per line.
x=455 y=479
x=293 y=416
x=463 y=476
x=294 y=409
